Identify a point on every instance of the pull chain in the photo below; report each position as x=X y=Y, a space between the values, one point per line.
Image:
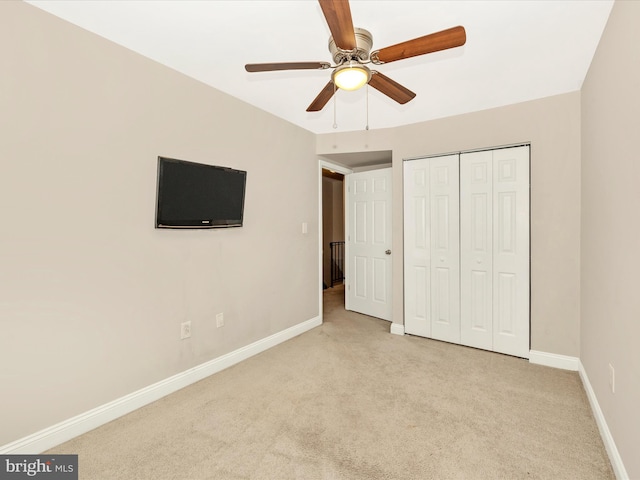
x=367 y=95
x=335 y=124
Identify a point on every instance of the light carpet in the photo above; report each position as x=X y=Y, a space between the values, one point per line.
x=348 y=400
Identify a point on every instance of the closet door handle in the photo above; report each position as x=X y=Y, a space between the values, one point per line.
x=387 y=252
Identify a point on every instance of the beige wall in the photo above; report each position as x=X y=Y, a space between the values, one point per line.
x=552 y=126
x=611 y=228
x=91 y=295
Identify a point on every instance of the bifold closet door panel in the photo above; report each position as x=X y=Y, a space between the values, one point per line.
x=431 y=248
x=511 y=251
x=494 y=236
x=445 y=248
x=476 y=249
x=417 y=248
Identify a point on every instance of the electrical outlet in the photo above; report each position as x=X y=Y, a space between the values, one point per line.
x=185 y=330
x=612 y=378
x=220 y=320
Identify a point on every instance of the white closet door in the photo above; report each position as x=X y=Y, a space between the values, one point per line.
x=417 y=248
x=511 y=251
x=494 y=229
x=466 y=244
x=476 y=248
x=431 y=248
x=445 y=248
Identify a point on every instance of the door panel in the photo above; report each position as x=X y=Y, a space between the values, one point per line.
x=479 y=300
x=431 y=247
x=380 y=275
x=360 y=222
x=476 y=249
x=505 y=294
x=368 y=276
x=359 y=277
x=445 y=248
x=506 y=222
x=417 y=248
x=442 y=296
x=511 y=251
x=380 y=236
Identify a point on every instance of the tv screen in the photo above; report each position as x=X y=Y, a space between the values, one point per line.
x=194 y=195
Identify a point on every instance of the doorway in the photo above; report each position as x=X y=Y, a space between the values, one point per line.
x=333 y=238
x=334 y=224
x=330 y=179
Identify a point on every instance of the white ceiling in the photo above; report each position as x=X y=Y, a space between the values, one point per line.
x=516 y=51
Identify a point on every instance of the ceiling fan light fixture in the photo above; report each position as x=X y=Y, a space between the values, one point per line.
x=351 y=76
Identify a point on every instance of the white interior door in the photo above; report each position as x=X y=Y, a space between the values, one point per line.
x=368 y=252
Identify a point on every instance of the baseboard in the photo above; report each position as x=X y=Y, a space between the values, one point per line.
x=605 y=433
x=554 y=360
x=397 y=329
x=68 y=429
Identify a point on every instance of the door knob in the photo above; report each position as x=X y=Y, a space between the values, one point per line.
x=388 y=252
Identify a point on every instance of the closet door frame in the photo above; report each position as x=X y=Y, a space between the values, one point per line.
x=499 y=317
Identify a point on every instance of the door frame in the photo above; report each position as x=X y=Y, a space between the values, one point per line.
x=482 y=149
x=344 y=171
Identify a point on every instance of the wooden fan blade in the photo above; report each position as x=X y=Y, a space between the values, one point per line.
x=323 y=97
x=391 y=88
x=450 y=38
x=270 y=67
x=338 y=16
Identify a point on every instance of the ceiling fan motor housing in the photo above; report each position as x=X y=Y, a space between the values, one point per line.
x=364 y=42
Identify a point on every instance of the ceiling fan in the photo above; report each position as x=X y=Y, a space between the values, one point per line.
x=351 y=51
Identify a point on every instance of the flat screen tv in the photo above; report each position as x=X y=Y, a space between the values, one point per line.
x=195 y=195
